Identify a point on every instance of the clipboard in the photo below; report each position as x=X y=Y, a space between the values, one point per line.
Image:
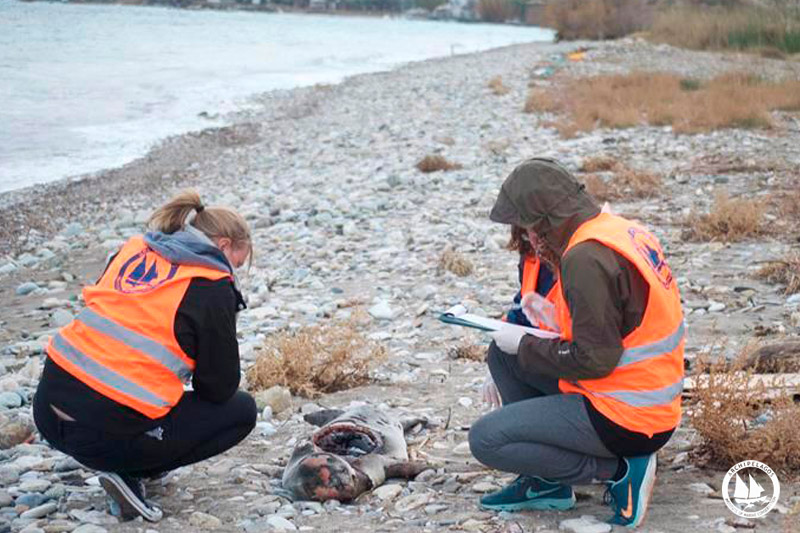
x=458 y=316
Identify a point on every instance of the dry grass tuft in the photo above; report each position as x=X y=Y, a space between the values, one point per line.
x=733 y=100
x=497 y=10
x=597 y=19
x=625 y=182
x=728 y=220
x=600 y=163
x=467 y=350
x=497 y=87
x=785 y=272
x=433 y=163
x=771 y=30
x=738 y=418
x=315 y=360
x=456 y=263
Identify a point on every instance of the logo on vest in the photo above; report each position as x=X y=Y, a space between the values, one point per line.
x=142 y=273
x=751 y=498
x=649 y=248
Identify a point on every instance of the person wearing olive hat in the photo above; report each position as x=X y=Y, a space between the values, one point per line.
x=599 y=401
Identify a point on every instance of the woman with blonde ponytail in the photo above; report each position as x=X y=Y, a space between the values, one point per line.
x=162 y=315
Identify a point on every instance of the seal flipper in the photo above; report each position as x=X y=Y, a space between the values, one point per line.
x=410 y=422
x=322 y=417
x=407 y=470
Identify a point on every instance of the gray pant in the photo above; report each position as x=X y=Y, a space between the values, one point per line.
x=538 y=431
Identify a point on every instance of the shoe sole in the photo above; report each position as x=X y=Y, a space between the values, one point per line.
x=128 y=502
x=544 y=504
x=645 y=492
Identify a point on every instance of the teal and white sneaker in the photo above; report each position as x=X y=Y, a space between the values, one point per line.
x=530 y=493
x=630 y=496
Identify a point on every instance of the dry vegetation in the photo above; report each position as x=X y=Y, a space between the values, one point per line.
x=497 y=10
x=785 y=272
x=774 y=31
x=733 y=100
x=316 y=360
x=456 y=263
x=728 y=220
x=738 y=418
x=597 y=19
x=497 y=87
x=624 y=182
x=469 y=350
x=433 y=163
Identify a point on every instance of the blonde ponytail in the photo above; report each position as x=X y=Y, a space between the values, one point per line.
x=171 y=217
x=214 y=222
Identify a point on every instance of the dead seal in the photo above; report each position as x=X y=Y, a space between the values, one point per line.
x=352 y=452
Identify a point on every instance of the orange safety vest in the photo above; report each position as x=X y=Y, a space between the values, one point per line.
x=530 y=278
x=643 y=392
x=123 y=343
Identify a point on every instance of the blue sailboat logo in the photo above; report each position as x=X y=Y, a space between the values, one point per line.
x=144 y=276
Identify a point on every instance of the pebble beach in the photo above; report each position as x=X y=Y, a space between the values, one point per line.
x=342 y=220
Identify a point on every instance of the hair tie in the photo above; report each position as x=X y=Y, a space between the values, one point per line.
x=200 y=208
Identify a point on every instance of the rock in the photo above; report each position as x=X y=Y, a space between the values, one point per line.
x=484 y=486
x=204 y=520
x=60 y=318
x=15 y=433
x=10 y=400
x=388 y=492
x=89 y=528
x=382 y=311
x=31 y=500
x=8 y=268
x=34 y=485
x=266 y=429
x=40 y=511
x=280 y=523
x=701 y=488
x=465 y=402
x=584 y=524
x=26 y=288
x=462 y=449
x=411 y=502
x=97 y=518
x=715 y=307
x=277 y=397
x=266 y=413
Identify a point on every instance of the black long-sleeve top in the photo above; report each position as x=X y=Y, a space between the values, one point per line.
x=205 y=328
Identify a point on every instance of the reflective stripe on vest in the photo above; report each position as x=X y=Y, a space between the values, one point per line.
x=646 y=398
x=104 y=375
x=648 y=351
x=136 y=341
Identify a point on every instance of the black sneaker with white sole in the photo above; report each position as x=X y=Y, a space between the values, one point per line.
x=128 y=493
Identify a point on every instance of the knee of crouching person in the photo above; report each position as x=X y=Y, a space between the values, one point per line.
x=480 y=442
x=246 y=409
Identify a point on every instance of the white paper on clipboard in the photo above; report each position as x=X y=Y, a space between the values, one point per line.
x=458 y=315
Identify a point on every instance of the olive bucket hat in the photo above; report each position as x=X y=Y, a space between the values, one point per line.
x=535 y=191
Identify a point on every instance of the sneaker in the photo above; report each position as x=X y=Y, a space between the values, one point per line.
x=128 y=493
x=530 y=493
x=630 y=495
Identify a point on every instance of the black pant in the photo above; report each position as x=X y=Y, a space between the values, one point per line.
x=193 y=430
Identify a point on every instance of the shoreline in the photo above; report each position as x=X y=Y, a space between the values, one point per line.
x=168 y=158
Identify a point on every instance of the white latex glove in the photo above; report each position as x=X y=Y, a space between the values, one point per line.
x=490 y=394
x=508 y=339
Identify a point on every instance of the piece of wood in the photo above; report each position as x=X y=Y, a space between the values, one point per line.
x=778 y=357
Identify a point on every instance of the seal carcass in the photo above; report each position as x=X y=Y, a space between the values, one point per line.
x=352 y=452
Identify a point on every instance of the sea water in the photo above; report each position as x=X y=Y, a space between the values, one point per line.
x=89 y=87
